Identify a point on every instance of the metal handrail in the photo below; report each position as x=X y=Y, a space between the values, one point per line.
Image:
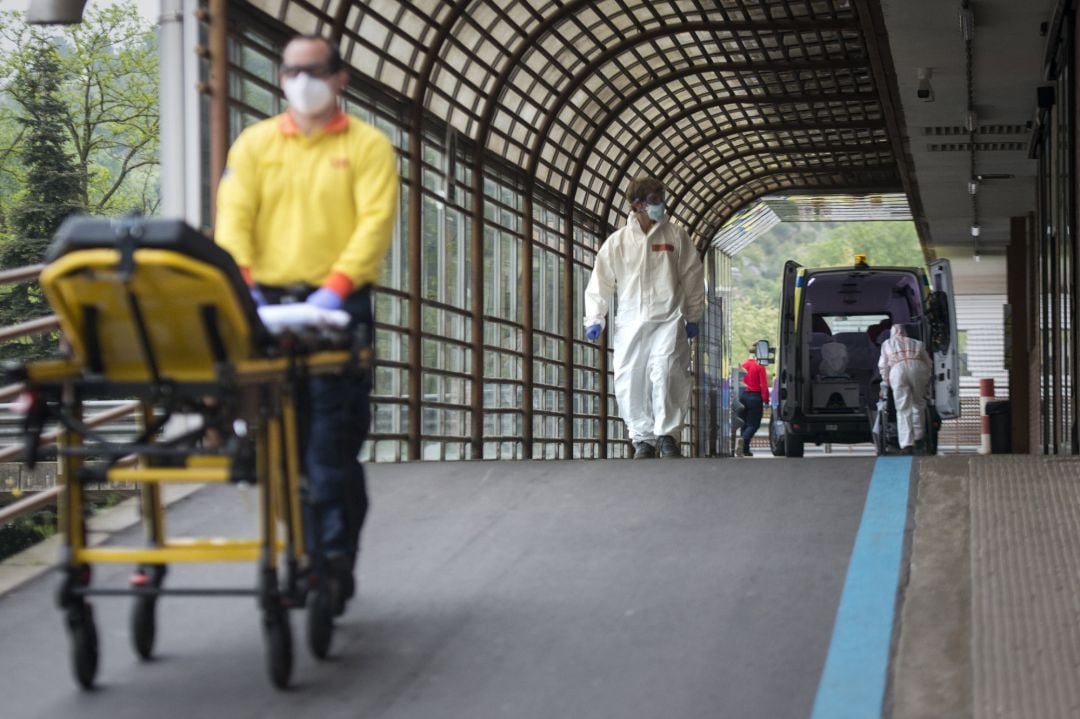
x=33 y=327
x=20 y=274
x=30 y=327
x=34 y=502
x=96 y=420
x=40 y=499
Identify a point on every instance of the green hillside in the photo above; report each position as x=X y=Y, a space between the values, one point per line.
x=756 y=270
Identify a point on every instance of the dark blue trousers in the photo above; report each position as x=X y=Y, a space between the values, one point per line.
x=334 y=414
x=754 y=406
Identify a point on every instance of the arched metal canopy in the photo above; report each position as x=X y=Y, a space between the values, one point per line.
x=725 y=101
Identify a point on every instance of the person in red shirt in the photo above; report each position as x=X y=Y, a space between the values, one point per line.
x=754 y=397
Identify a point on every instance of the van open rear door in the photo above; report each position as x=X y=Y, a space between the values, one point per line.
x=945 y=352
x=788 y=340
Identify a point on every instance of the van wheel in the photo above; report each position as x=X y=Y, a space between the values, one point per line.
x=793 y=446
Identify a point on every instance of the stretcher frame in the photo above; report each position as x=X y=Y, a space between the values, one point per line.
x=118 y=306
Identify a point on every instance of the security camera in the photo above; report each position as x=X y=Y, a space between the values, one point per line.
x=923 y=90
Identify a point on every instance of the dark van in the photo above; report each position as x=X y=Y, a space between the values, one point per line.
x=832 y=323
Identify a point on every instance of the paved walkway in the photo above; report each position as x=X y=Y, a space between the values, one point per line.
x=692 y=588
x=615 y=589
x=990 y=626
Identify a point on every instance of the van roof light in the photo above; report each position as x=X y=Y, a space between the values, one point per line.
x=860 y=260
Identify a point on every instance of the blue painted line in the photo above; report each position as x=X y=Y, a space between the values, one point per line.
x=853 y=682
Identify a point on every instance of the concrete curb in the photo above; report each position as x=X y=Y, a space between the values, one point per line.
x=33 y=562
x=932 y=664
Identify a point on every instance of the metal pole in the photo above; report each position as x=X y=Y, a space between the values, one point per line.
x=605 y=341
x=219 y=97
x=527 y=324
x=415 y=281
x=477 y=259
x=338 y=27
x=171 y=103
x=1018 y=289
x=568 y=322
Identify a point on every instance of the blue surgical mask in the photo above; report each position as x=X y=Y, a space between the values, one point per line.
x=655 y=212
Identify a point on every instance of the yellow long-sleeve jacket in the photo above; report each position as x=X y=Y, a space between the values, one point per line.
x=317 y=209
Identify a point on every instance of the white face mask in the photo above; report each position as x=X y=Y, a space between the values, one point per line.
x=308 y=95
x=655 y=212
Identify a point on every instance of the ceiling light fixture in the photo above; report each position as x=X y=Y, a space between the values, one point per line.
x=923 y=90
x=967 y=21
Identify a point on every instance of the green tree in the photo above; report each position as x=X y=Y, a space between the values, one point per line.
x=12 y=175
x=109 y=70
x=758 y=268
x=101 y=114
x=51 y=193
x=886 y=244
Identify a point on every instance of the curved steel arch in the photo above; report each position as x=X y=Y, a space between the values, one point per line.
x=881 y=148
x=552 y=21
x=796 y=169
x=679 y=73
x=751 y=100
x=731 y=184
x=706 y=140
x=633 y=150
x=828 y=188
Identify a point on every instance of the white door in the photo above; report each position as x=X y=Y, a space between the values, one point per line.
x=788 y=340
x=944 y=352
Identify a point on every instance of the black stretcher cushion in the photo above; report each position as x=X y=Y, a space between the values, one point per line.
x=80 y=232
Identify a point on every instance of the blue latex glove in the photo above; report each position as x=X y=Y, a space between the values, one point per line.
x=691 y=330
x=593 y=332
x=325 y=299
x=258 y=297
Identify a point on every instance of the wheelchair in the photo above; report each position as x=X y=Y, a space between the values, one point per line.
x=153 y=311
x=886 y=434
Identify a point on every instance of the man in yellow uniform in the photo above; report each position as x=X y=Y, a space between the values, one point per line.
x=306 y=207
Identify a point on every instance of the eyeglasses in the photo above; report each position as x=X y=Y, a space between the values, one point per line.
x=318 y=70
x=653 y=198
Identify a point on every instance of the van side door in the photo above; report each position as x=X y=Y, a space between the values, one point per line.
x=788 y=340
x=944 y=351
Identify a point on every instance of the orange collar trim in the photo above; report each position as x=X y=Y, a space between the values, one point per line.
x=338 y=123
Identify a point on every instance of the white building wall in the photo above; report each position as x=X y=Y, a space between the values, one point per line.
x=984 y=319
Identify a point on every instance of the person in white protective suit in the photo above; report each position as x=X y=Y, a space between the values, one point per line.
x=906 y=367
x=660 y=281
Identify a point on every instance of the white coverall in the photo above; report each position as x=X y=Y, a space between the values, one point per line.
x=906 y=367
x=661 y=284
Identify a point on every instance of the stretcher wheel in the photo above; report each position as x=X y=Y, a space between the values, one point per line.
x=279 y=649
x=144 y=626
x=84 y=643
x=320 y=622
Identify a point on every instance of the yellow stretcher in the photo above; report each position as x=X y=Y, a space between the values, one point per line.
x=152 y=310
